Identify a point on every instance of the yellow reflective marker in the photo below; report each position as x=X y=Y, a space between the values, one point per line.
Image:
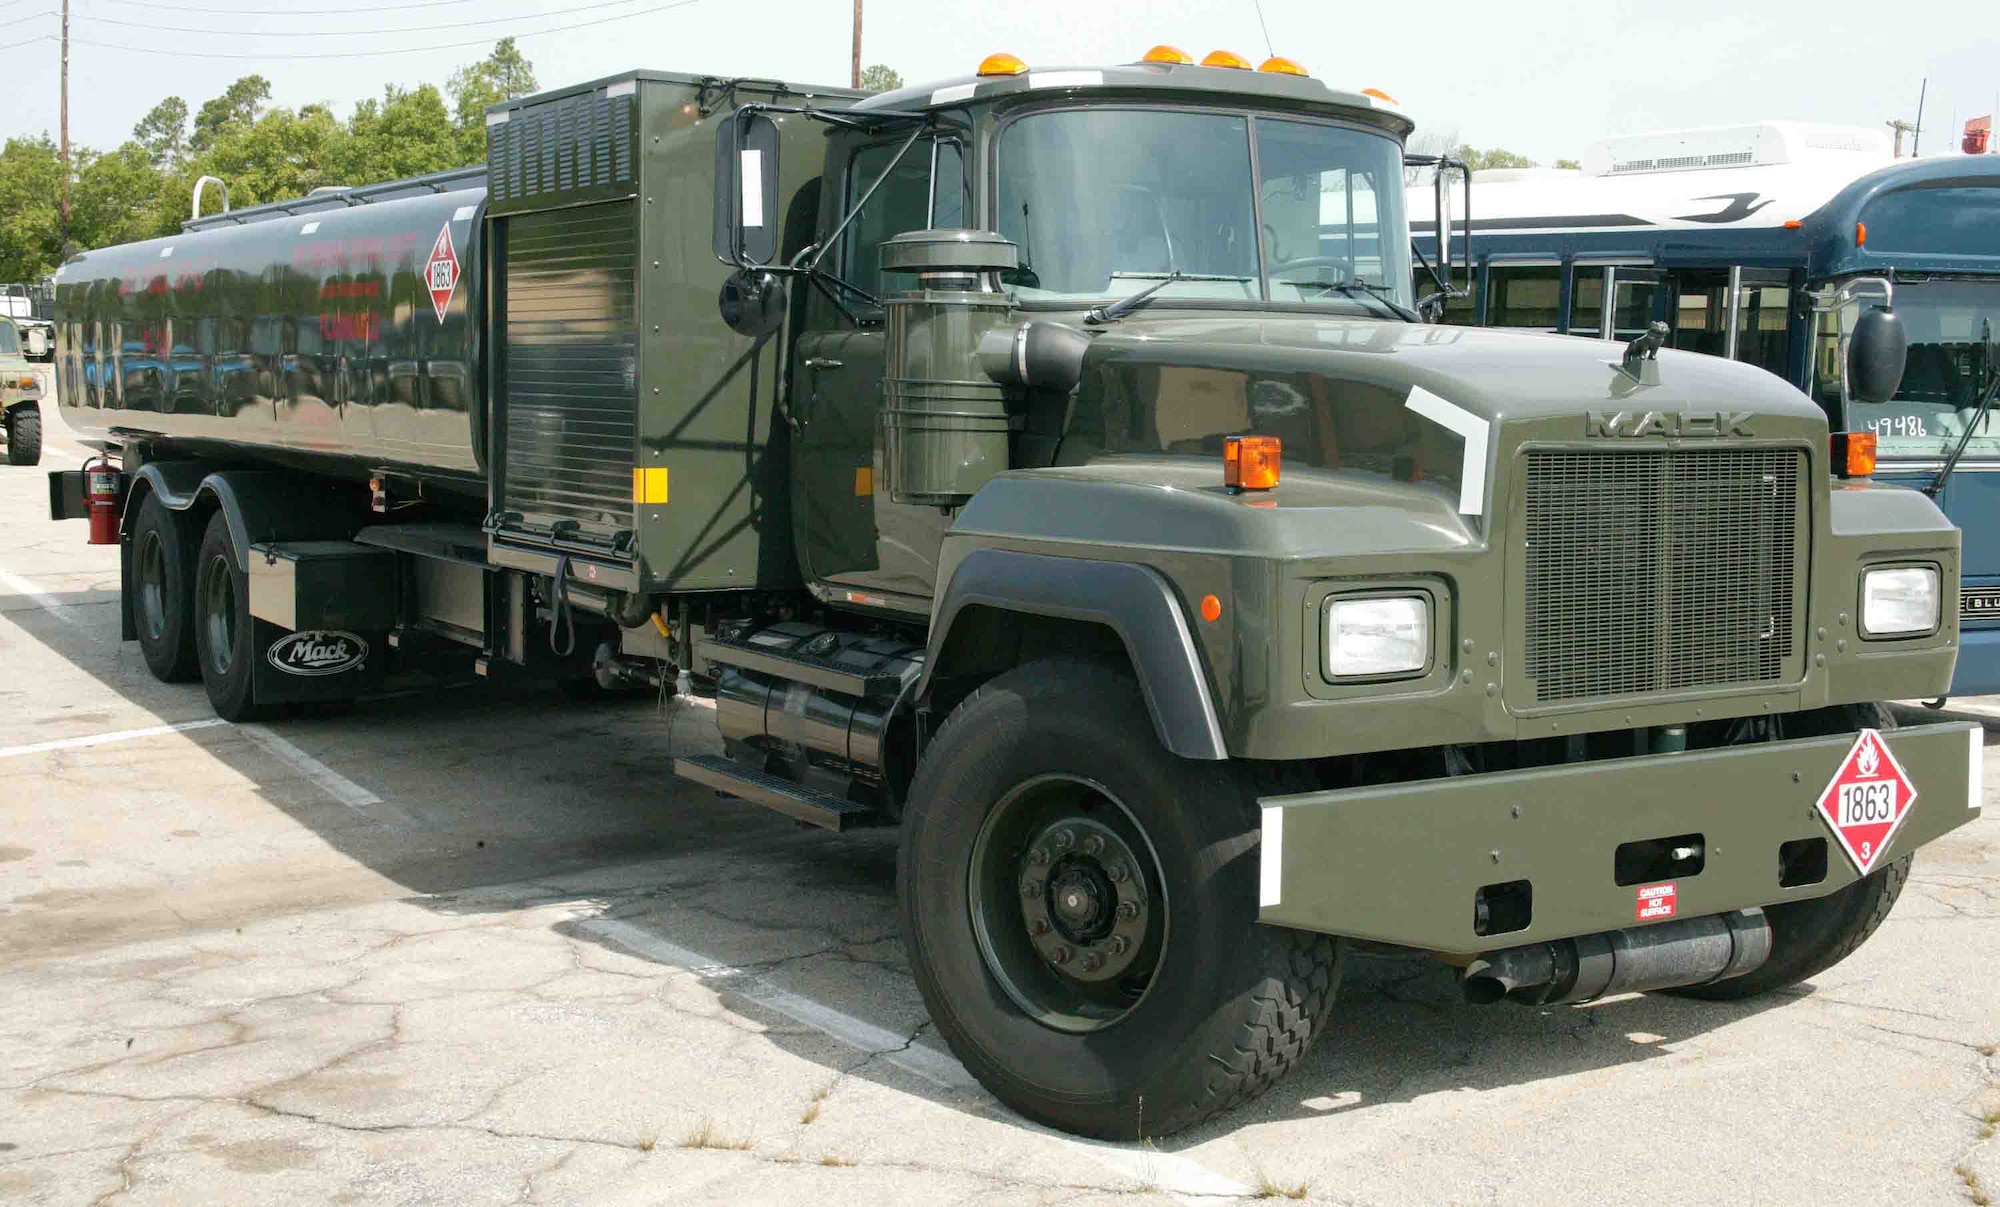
x=864 y=482
x=649 y=484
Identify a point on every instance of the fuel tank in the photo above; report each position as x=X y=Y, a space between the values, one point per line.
x=339 y=333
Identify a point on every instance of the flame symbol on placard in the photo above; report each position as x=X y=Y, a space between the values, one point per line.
x=1867 y=762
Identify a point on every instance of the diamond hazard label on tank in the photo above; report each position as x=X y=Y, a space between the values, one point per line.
x=441 y=271
x=1867 y=800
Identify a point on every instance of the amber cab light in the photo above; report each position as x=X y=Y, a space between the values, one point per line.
x=1380 y=95
x=1853 y=454
x=1282 y=66
x=1225 y=58
x=1001 y=64
x=1861 y=234
x=1250 y=462
x=1168 y=54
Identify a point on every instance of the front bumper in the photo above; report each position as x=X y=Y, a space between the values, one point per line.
x=1405 y=863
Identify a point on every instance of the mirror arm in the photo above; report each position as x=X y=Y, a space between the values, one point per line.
x=826 y=245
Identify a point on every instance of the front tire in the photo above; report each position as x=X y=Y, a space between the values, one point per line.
x=224 y=633
x=24 y=436
x=163 y=562
x=1809 y=937
x=1080 y=910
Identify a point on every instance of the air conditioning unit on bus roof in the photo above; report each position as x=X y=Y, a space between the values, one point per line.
x=1758 y=145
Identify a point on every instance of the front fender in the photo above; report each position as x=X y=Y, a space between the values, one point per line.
x=1132 y=600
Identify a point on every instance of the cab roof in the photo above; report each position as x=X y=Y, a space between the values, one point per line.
x=1179 y=81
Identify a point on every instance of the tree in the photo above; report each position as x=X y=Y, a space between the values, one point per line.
x=407 y=133
x=500 y=76
x=163 y=133
x=235 y=108
x=880 y=79
x=30 y=222
x=1571 y=164
x=1480 y=161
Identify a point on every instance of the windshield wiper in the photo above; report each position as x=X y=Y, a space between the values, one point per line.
x=1131 y=301
x=1365 y=289
x=1937 y=485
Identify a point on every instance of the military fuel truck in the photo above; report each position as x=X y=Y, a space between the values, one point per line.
x=1055 y=463
x=20 y=400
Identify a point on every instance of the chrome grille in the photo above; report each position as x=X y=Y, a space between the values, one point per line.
x=1661 y=570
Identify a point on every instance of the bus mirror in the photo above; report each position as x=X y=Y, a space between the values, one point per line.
x=746 y=189
x=1875 y=355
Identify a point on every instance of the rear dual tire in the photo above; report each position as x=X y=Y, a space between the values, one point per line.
x=225 y=636
x=1013 y=931
x=162 y=600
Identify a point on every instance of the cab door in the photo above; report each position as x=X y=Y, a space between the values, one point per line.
x=848 y=532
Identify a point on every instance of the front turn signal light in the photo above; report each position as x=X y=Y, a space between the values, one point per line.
x=1225 y=58
x=1168 y=54
x=1282 y=66
x=1001 y=64
x=1854 y=454
x=1250 y=462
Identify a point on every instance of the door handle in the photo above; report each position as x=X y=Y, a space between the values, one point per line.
x=822 y=362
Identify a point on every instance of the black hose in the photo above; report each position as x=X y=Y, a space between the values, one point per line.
x=560 y=615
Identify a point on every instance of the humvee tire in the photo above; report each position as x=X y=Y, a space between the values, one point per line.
x=163 y=590
x=1809 y=937
x=24 y=436
x=1080 y=910
x=224 y=633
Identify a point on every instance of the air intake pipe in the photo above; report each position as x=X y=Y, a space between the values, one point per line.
x=1667 y=955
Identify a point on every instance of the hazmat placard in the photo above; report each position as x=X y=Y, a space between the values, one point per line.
x=1867 y=800
x=441 y=271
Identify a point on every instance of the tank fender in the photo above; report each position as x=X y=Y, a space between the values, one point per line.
x=261 y=505
x=1134 y=601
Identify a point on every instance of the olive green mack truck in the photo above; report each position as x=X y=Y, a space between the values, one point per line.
x=1056 y=463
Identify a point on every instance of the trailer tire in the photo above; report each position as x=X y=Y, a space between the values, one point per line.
x=1224 y=1008
x=225 y=633
x=163 y=562
x=24 y=436
x=1809 y=937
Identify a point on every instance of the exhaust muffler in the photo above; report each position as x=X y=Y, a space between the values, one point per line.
x=1667 y=955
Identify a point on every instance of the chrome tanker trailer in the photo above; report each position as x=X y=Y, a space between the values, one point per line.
x=1056 y=463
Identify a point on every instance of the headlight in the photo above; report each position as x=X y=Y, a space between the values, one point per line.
x=1377 y=635
x=1899 y=602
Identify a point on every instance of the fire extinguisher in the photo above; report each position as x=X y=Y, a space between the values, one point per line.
x=100 y=495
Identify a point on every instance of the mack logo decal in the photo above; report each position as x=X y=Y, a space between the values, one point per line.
x=1666 y=423
x=318 y=652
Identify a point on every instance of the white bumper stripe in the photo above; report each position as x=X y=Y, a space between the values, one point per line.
x=1271 y=859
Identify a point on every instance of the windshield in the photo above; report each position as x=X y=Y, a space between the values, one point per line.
x=10 y=343
x=1954 y=329
x=1103 y=203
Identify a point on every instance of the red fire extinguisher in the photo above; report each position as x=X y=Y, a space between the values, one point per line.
x=100 y=496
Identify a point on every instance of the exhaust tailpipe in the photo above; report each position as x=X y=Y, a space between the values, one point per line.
x=1668 y=955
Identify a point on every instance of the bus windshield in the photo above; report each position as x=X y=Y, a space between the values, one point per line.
x=1954 y=328
x=1321 y=224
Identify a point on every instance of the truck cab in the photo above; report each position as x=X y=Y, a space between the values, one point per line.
x=20 y=399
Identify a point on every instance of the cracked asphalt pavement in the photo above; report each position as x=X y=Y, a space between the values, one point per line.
x=477 y=946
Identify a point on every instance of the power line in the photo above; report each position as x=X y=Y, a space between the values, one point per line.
x=30 y=41
x=297 y=12
x=344 y=33
x=371 y=54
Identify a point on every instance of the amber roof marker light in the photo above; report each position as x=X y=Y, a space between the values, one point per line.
x=1251 y=462
x=1225 y=58
x=1280 y=65
x=1002 y=63
x=1164 y=53
x=1380 y=95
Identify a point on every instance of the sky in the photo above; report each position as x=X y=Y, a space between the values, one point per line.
x=1543 y=80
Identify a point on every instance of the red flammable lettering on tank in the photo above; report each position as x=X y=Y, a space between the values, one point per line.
x=351 y=289
x=350 y=326
x=338 y=253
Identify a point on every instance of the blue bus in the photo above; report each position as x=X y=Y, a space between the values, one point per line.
x=1762 y=243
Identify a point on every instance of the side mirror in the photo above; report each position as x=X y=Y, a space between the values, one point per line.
x=746 y=190
x=1875 y=355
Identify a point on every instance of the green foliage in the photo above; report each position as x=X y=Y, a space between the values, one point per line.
x=880 y=79
x=264 y=153
x=1571 y=164
x=1480 y=161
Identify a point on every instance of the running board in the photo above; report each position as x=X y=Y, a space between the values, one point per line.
x=808 y=805
x=824 y=673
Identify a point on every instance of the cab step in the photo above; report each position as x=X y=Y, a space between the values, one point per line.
x=808 y=805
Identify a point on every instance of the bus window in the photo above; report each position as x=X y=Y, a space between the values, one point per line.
x=1702 y=316
x=1586 y=305
x=1524 y=296
x=1954 y=329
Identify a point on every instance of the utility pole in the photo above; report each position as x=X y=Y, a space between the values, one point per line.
x=1901 y=128
x=855 y=80
x=65 y=124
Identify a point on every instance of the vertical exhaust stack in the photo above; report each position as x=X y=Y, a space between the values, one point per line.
x=946 y=423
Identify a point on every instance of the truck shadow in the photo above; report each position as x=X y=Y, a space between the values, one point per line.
x=517 y=796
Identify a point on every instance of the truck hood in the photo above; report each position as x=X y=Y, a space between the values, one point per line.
x=1497 y=374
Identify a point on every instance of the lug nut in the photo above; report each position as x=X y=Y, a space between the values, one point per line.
x=1039 y=855
x=1031 y=888
x=1128 y=910
x=1038 y=927
x=1092 y=961
x=1065 y=839
x=1117 y=873
x=1060 y=955
x=1092 y=845
x=1120 y=945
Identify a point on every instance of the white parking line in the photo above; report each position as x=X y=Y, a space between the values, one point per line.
x=42 y=599
x=106 y=739
x=1176 y=1176
x=333 y=783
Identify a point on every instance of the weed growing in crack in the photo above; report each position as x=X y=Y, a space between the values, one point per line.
x=1270 y=1188
x=649 y=1139
x=706 y=1136
x=1972 y=1187
x=818 y=1099
x=835 y=1161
